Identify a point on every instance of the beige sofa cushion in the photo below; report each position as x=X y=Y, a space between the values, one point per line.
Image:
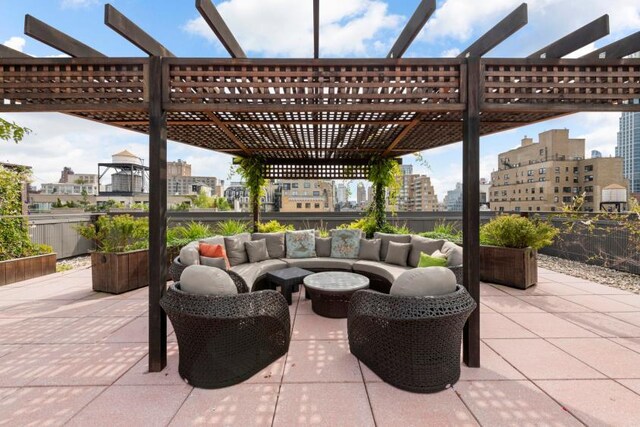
x=453 y=253
x=271 y=265
x=190 y=254
x=321 y=263
x=248 y=272
x=203 y=280
x=386 y=238
x=275 y=243
x=422 y=244
x=387 y=271
x=236 y=252
x=420 y=282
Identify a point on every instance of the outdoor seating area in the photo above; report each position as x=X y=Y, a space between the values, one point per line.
x=549 y=355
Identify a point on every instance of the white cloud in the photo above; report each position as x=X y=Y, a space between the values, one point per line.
x=450 y=53
x=285 y=28
x=16 y=43
x=78 y=3
x=601 y=132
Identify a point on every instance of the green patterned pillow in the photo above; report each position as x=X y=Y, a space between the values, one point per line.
x=345 y=243
x=301 y=244
x=437 y=259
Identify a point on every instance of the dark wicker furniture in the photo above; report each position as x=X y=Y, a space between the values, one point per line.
x=412 y=343
x=288 y=279
x=331 y=291
x=224 y=340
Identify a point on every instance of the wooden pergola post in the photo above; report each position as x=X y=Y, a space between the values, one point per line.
x=471 y=209
x=157 y=215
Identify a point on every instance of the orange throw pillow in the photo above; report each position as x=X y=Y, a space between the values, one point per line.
x=214 y=251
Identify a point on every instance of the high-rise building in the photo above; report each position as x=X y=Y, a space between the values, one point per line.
x=453 y=200
x=403 y=194
x=361 y=194
x=545 y=175
x=342 y=195
x=420 y=195
x=628 y=148
x=305 y=195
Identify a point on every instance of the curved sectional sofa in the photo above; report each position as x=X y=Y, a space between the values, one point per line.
x=380 y=273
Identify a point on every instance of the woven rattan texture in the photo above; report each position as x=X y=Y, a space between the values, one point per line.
x=412 y=343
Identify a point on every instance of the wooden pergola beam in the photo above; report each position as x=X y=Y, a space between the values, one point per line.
x=232 y=136
x=316 y=29
x=581 y=37
x=216 y=23
x=401 y=136
x=499 y=33
x=411 y=30
x=48 y=35
x=130 y=31
x=7 y=52
x=617 y=50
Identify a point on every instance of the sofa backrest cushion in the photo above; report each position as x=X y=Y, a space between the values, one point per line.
x=190 y=255
x=202 y=280
x=345 y=243
x=385 y=238
x=275 y=243
x=213 y=251
x=421 y=244
x=220 y=263
x=398 y=253
x=419 y=282
x=453 y=253
x=370 y=249
x=323 y=247
x=215 y=240
x=257 y=250
x=235 y=248
x=301 y=244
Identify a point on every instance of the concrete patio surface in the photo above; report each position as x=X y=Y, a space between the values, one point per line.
x=565 y=352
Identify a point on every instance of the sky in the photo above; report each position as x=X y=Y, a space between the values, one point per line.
x=284 y=28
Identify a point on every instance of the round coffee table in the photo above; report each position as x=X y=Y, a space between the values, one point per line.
x=331 y=291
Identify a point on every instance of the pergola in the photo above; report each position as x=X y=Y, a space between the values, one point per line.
x=318 y=118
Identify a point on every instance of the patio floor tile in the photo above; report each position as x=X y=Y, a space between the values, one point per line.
x=509 y=304
x=139 y=374
x=630 y=343
x=495 y=325
x=512 y=403
x=554 y=304
x=241 y=405
x=596 y=288
x=133 y=405
x=87 y=330
x=136 y=330
x=328 y=404
x=490 y=290
x=394 y=407
x=600 y=303
x=56 y=308
x=37 y=329
x=634 y=385
x=314 y=327
x=123 y=308
x=537 y=359
x=547 y=325
x=596 y=402
x=633 y=300
x=44 y=406
x=492 y=367
x=270 y=374
x=603 y=324
x=633 y=318
x=613 y=360
x=321 y=361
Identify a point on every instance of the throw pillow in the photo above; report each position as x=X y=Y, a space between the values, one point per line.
x=453 y=253
x=421 y=244
x=301 y=244
x=220 y=263
x=190 y=255
x=213 y=251
x=419 y=282
x=386 y=238
x=275 y=243
x=370 y=249
x=235 y=248
x=323 y=247
x=202 y=280
x=257 y=250
x=432 y=260
x=398 y=253
x=345 y=243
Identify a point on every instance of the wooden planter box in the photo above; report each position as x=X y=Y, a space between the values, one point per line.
x=116 y=273
x=508 y=266
x=16 y=270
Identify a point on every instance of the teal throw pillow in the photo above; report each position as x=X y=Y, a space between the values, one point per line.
x=301 y=244
x=345 y=243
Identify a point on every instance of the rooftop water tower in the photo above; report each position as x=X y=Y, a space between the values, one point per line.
x=615 y=196
x=129 y=175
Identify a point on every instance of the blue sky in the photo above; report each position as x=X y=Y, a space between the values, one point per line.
x=283 y=28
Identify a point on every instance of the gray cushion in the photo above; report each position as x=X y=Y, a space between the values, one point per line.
x=398 y=253
x=213 y=262
x=453 y=253
x=387 y=271
x=370 y=249
x=430 y=281
x=257 y=250
x=321 y=263
x=249 y=273
x=422 y=244
x=202 y=280
x=235 y=248
x=386 y=238
x=275 y=243
x=323 y=246
x=190 y=254
x=215 y=240
x=271 y=265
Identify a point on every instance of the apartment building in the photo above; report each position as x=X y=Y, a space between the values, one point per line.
x=420 y=195
x=305 y=195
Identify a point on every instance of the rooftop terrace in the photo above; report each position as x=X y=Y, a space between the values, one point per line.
x=564 y=352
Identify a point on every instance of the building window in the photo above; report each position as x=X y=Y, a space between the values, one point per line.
x=316 y=194
x=556 y=199
x=557 y=169
x=307 y=205
x=588 y=189
x=307 y=185
x=541 y=190
x=575 y=169
x=542 y=151
x=566 y=189
x=533 y=190
x=517 y=209
x=299 y=205
x=316 y=206
x=542 y=171
x=588 y=168
x=506 y=176
x=556 y=189
x=588 y=178
x=566 y=199
x=557 y=179
x=530 y=173
x=294 y=185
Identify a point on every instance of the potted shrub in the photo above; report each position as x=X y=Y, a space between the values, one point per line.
x=120 y=262
x=508 y=254
x=20 y=258
x=182 y=235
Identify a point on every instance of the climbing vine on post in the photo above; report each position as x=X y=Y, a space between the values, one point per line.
x=252 y=171
x=383 y=174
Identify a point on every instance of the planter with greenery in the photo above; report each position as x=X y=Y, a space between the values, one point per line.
x=20 y=258
x=508 y=254
x=182 y=235
x=120 y=262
